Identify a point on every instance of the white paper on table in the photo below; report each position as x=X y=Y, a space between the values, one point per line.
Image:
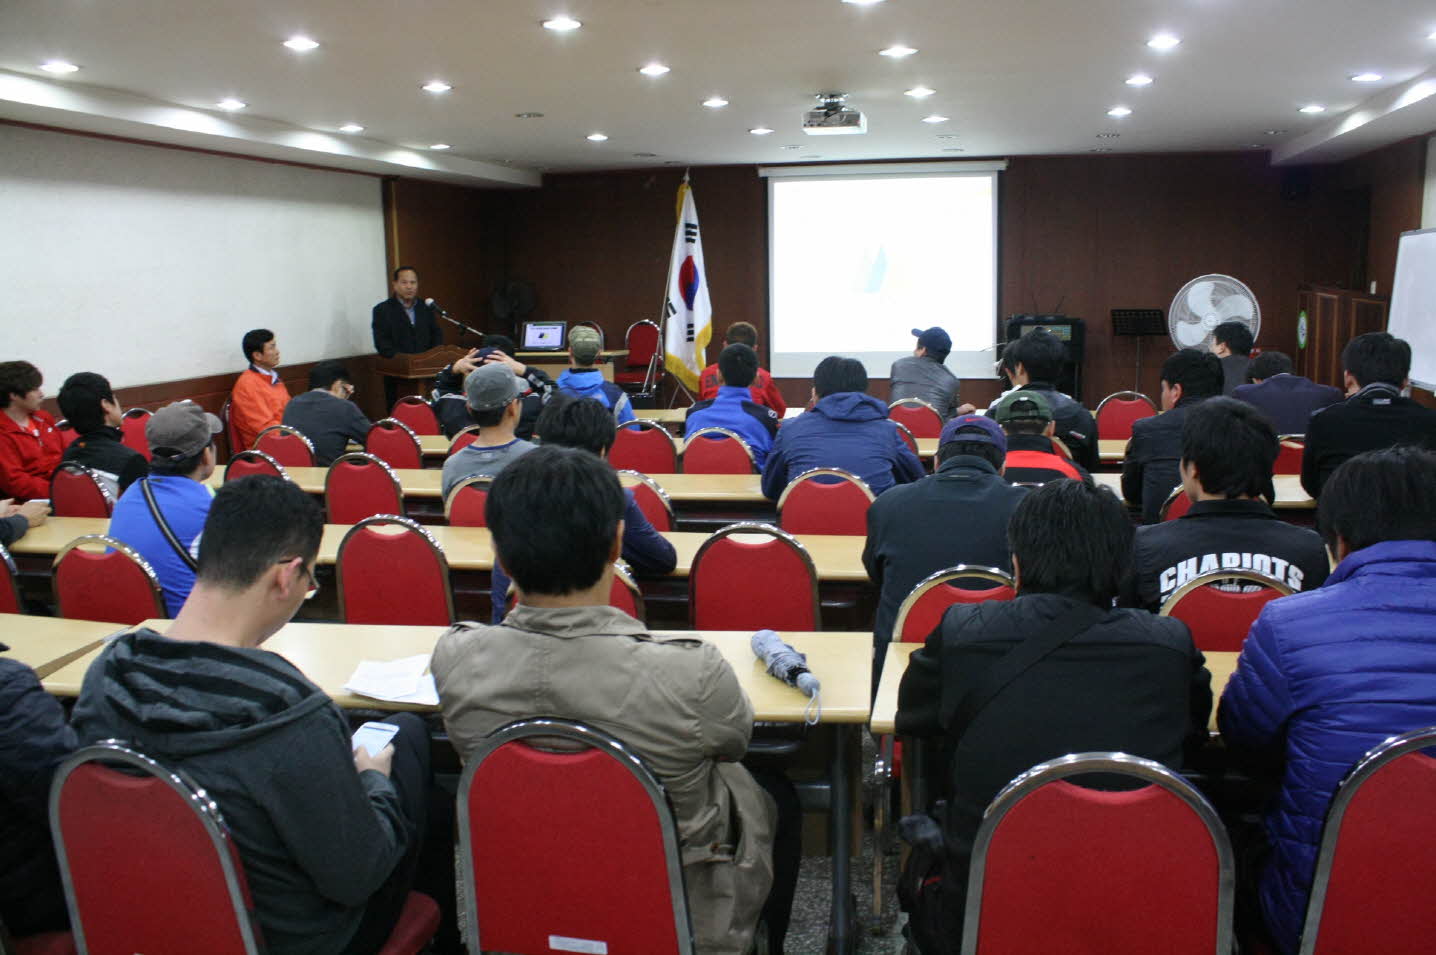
x=405 y=680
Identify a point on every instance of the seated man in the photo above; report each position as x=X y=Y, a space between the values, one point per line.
x=1150 y=470
x=492 y=391
x=556 y=516
x=259 y=397
x=1327 y=675
x=325 y=414
x=1102 y=680
x=846 y=428
x=1032 y=457
x=924 y=374
x=16 y=519
x=1375 y=414
x=181 y=438
x=732 y=408
x=957 y=516
x=88 y=403
x=1033 y=363
x=1232 y=344
x=1228 y=449
x=449 y=402
x=762 y=391
x=583 y=380
x=30 y=447
x=1288 y=400
x=327 y=833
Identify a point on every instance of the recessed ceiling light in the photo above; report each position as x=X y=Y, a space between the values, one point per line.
x=645 y=155
x=597 y=137
x=715 y=102
x=862 y=3
x=1164 y=41
x=1273 y=132
x=351 y=128
x=934 y=118
x=653 y=69
x=440 y=146
x=760 y=130
x=436 y=86
x=1366 y=78
x=1139 y=79
x=897 y=51
x=1431 y=35
x=953 y=149
x=1119 y=111
x=231 y=104
x=948 y=136
x=301 y=44
x=790 y=147
x=1313 y=108
x=919 y=92
x=561 y=24
x=1109 y=135
x=528 y=115
x=58 y=66
x=1100 y=149
x=1257 y=146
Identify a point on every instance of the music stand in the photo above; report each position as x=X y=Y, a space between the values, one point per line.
x=1137 y=322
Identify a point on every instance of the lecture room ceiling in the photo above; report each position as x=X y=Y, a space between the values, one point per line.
x=1008 y=78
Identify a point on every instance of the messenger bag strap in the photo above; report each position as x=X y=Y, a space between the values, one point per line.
x=165 y=527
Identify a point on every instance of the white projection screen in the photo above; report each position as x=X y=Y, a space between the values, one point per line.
x=858 y=257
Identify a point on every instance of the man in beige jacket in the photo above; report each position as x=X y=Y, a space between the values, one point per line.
x=556 y=515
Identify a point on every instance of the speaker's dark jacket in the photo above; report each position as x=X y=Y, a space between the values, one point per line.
x=1289 y=400
x=394 y=335
x=1374 y=418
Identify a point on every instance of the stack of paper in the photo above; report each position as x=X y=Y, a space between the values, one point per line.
x=406 y=680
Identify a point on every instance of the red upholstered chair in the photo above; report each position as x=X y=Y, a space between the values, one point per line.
x=1288 y=458
x=644 y=446
x=133 y=429
x=10 y=601
x=360 y=485
x=98 y=578
x=286 y=445
x=837 y=505
x=564 y=806
x=392 y=571
x=908 y=438
x=645 y=355
x=1116 y=412
x=1371 y=892
x=625 y=595
x=1220 y=619
x=921 y=418
x=749 y=576
x=149 y=865
x=77 y=491
x=46 y=943
x=652 y=500
x=717 y=451
x=922 y=609
x=1057 y=867
x=67 y=432
x=246 y=463
x=463 y=439
x=235 y=446
x=464 y=507
x=1176 y=504
x=416 y=414
x=395 y=443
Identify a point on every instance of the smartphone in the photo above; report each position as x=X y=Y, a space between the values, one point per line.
x=374 y=736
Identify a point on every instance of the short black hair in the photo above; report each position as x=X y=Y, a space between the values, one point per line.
x=982 y=449
x=835 y=374
x=570 y=422
x=255 y=522
x=80 y=398
x=1379 y=496
x=1071 y=537
x=1236 y=336
x=1377 y=356
x=1233 y=446
x=404 y=268
x=179 y=467
x=18 y=379
x=738 y=364
x=742 y=332
x=1026 y=426
x=1268 y=365
x=326 y=373
x=255 y=340
x=1198 y=372
x=490 y=417
x=1040 y=353
x=503 y=343
x=554 y=514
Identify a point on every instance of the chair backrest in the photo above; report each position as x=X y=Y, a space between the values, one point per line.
x=1219 y=619
x=641 y=340
x=583 y=818
x=66 y=431
x=10 y=601
x=391 y=571
x=77 y=491
x=395 y=443
x=464 y=507
x=921 y=418
x=652 y=500
x=1176 y=504
x=1057 y=867
x=286 y=445
x=749 y=576
x=146 y=859
x=922 y=609
x=644 y=446
x=908 y=438
x=1116 y=412
x=360 y=485
x=133 y=430
x=625 y=595
x=416 y=414
x=1288 y=457
x=231 y=432
x=250 y=462
x=463 y=439
x=1377 y=860
x=99 y=578
x=825 y=501
x=717 y=451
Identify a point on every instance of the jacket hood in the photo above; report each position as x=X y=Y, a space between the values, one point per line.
x=851 y=406
x=586 y=383
x=1413 y=558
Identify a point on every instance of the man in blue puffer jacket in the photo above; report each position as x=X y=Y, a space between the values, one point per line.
x=846 y=428
x=1328 y=674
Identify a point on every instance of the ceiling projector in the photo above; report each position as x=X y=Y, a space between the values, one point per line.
x=832 y=118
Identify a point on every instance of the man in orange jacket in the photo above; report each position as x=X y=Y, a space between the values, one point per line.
x=259 y=397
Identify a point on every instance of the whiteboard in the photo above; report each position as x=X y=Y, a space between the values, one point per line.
x=149 y=264
x=1413 y=302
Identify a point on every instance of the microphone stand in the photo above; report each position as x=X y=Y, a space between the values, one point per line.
x=455 y=321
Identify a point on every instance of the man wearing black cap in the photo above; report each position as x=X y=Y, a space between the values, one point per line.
x=1033 y=363
x=1032 y=456
x=924 y=375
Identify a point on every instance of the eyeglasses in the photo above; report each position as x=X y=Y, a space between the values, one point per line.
x=313 y=581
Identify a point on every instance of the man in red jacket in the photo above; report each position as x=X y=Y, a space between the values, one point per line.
x=763 y=390
x=30 y=447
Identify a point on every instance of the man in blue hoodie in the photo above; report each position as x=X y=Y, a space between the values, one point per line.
x=733 y=407
x=846 y=428
x=583 y=380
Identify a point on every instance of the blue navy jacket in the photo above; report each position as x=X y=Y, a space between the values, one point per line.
x=734 y=409
x=1288 y=400
x=848 y=430
x=1324 y=676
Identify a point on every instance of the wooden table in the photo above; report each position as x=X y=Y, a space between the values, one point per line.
x=664 y=416
x=1111 y=450
x=1289 y=493
x=47 y=644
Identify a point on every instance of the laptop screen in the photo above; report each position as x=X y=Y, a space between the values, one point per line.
x=544 y=336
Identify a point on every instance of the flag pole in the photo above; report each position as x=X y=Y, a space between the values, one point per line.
x=650 y=379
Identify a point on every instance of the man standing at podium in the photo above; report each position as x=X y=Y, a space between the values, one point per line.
x=403 y=325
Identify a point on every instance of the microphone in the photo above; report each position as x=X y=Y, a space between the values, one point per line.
x=791 y=667
x=436 y=307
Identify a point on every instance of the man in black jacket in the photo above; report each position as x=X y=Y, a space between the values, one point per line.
x=1374 y=415
x=1228 y=449
x=1033 y=363
x=402 y=324
x=1150 y=468
x=88 y=403
x=1289 y=400
x=451 y=404
x=1232 y=344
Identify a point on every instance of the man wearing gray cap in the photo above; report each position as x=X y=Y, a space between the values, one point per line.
x=583 y=380
x=492 y=391
x=161 y=516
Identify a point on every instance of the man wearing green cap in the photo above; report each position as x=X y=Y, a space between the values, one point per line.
x=1032 y=454
x=583 y=380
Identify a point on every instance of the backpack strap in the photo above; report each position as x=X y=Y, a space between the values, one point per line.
x=165 y=527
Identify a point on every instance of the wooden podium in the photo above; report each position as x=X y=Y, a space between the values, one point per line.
x=409 y=372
